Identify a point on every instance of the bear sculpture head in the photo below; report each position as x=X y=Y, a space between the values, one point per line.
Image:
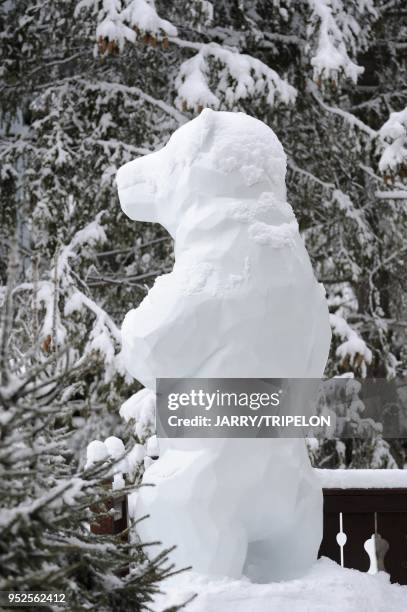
x=217 y=155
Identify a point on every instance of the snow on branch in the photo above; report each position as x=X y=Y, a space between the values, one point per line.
x=53 y=332
x=353 y=121
x=121 y=21
x=346 y=205
x=238 y=76
x=140 y=410
x=393 y=145
x=61 y=285
x=23 y=511
x=142 y=16
x=353 y=351
x=88 y=236
x=111 y=89
x=104 y=335
x=394 y=194
x=334 y=36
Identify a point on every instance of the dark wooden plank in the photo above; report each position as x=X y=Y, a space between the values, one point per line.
x=358 y=529
x=393 y=528
x=329 y=547
x=367 y=492
x=365 y=500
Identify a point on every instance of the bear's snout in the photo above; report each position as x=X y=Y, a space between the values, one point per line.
x=136 y=184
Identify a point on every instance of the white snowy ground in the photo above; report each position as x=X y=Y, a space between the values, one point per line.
x=326 y=588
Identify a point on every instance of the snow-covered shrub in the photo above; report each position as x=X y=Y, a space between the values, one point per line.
x=46 y=498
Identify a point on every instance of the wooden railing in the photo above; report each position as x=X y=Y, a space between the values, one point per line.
x=366 y=529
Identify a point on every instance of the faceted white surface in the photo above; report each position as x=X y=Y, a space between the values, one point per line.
x=241 y=301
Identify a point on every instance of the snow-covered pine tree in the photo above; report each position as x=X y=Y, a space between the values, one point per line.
x=47 y=501
x=89 y=84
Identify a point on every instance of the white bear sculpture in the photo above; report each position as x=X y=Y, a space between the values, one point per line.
x=241 y=302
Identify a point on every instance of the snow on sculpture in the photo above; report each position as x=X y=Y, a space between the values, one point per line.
x=241 y=301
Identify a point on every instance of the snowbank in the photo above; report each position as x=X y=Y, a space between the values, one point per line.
x=362 y=479
x=326 y=588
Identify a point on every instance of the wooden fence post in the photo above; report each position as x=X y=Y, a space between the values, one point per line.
x=114 y=523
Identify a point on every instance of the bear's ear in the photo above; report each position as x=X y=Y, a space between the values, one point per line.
x=207 y=124
x=207 y=114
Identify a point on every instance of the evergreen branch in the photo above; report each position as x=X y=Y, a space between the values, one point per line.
x=348 y=117
x=108 y=87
